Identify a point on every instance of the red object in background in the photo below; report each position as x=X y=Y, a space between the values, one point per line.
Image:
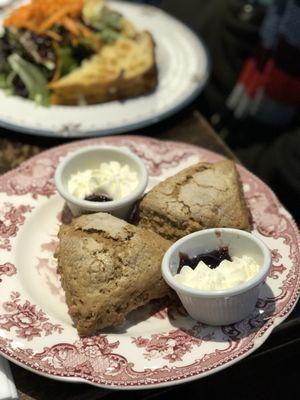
x=283 y=87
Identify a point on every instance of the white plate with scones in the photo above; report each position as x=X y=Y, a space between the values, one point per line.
x=155 y=67
x=109 y=267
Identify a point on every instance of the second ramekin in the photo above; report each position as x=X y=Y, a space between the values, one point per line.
x=218 y=307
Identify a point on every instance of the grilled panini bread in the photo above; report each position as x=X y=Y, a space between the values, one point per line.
x=199 y=197
x=108 y=268
x=121 y=70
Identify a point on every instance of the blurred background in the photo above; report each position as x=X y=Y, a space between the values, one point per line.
x=252 y=101
x=253 y=95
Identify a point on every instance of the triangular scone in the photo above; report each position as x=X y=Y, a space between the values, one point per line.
x=124 y=69
x=199 y=197
x=108 y=268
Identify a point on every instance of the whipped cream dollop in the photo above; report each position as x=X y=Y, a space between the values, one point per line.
x=111 y=178
x=228 y=274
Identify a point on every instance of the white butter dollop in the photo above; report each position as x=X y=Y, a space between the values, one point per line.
x=227 y=275
x=111 y=178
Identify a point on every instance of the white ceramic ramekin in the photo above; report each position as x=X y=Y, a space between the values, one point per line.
x=88 y=158
x=219 y=307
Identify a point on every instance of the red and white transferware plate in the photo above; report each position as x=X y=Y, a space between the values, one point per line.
x=156 y=347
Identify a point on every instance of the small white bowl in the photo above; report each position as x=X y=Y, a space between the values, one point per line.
x=218 y=307
x=88 y=158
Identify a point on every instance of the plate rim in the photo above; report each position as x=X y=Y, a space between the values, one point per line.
x=256 y=342
x=100 y=132
x=177 y=382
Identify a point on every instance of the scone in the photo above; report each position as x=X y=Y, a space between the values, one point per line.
x=108 y=268
x=199 y=197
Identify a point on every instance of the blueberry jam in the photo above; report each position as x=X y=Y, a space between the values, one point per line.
x=211 y=259
x=99 y=197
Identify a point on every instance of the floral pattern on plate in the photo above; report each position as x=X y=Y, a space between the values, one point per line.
x=159 y=343
x=27 y=321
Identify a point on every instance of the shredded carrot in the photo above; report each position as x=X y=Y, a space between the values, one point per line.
x=70 y=25
x=41 y=15
x=53 y=19
x=85 y=30
x=76 y=28
x=88 y=33
x=54 y=35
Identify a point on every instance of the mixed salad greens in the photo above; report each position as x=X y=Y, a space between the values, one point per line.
x=47 y=39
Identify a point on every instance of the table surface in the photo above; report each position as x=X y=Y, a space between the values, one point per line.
x=188 y=126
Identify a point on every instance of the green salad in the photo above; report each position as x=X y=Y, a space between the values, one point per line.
x=32 y=58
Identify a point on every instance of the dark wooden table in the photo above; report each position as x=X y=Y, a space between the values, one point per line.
x=188 y=126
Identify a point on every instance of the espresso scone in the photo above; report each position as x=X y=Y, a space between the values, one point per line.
x=199 y=197
x=108 y=268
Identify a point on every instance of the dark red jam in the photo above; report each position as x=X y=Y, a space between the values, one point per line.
x=211 y=259
x=99 y=197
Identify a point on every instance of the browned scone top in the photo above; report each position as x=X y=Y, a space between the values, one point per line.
x=199 y=197
x=108 y=268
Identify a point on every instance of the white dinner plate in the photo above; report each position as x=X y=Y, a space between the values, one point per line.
x=183 y=71
x=159 y=345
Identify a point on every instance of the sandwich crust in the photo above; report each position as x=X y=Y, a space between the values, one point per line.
x=121 y=70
